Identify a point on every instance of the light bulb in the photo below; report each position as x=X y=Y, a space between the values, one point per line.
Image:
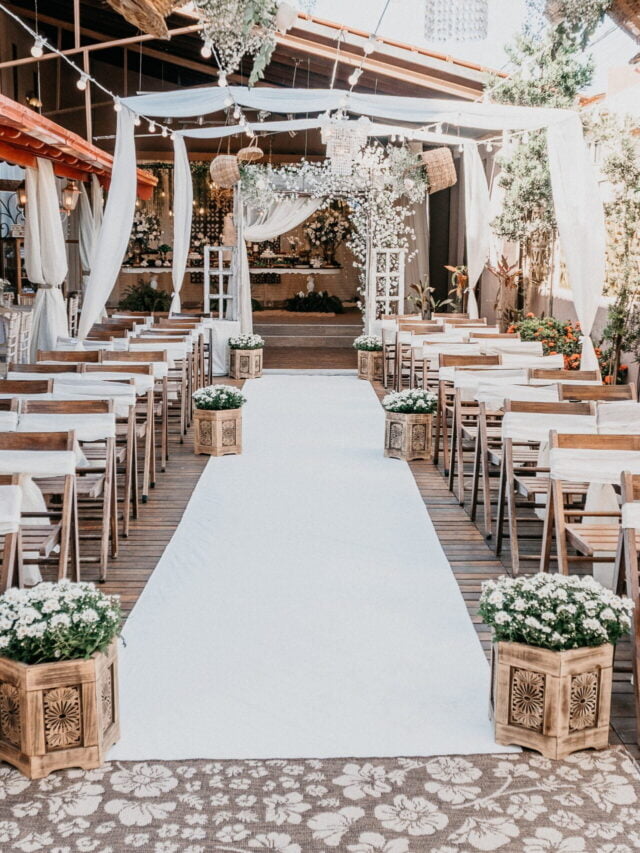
x=228 y=101
x=222 y=79
x=152 y=127
x=37 y=49
x=237 y=113
x=355 y=76
x=82 y=81
x=165 y=132
x=206 y=51
x=117 y=106
x=242 y=121
x=461 y=148
x=137 y=121
x=369 y=46
x=489 y=146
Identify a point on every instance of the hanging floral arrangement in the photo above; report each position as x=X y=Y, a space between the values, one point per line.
x=329 y=227
x=236 y=28
x=145 y=230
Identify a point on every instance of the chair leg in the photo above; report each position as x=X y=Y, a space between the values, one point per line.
x=486 y=489
x=513 y=527
x=475 y=483
x=547 y=531
x=460 y=457
x=500 y=509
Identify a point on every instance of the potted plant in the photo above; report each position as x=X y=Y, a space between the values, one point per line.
x=58 y=677
x=409 y=422
x=552 y=660
x=246 y=356
x=369 y=349
x=218 y=420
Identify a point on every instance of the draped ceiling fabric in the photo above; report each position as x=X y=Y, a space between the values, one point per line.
x=90 y=220
x=477 y=217
x=45 y=256
x=578 y=206
x=257 y=226
x=115 y=230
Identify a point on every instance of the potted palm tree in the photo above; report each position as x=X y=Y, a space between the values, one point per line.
x=369 y=348
x=218 y=420
x=552 y=660
x=246 y=356
x=409 y=424
x=58 y=677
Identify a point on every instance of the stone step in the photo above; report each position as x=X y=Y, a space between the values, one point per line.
x=307 y=330
x=321 y=341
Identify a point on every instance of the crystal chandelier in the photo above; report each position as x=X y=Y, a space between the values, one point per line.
x=344 y=140
x=456 y=20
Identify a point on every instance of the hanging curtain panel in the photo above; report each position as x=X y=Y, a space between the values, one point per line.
x=113 y=237
x=477 y=205
x=182 y=215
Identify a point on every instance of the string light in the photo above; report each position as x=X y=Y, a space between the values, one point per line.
x=137 y=120
x=237 y=113
x=82 y=81
x=165 y=132
x=38 y=47
x=152 y=127
x=222 y=79
x=370 y=45
x=206 y=50
x=117 y=106
x=228 y=101
x=355 y=76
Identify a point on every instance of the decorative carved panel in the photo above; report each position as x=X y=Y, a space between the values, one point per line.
x=396 y=431
x=106 y=699
x=62 y=717
x=10 y=725
x=205 y=432
x=228 y=433
x=418 y=437
x=527 y=699
x=583 y=703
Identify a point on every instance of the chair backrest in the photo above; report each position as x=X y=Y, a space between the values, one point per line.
x=61 y=407
x=73 y=304
x=547 y=408
x=103 y=336
x=70 y=356
x=11 y=322
x=135 y=355
x=595 y=441
x=161 y=339
x=465 y=321
x=419 y=328
x=495 y=336
x=597 y=392
x=26 y=298
x=630 y=487
x=453 y=360
x=146 y=369
x=8 y=405
x=450 y=316
x=37 y=440
x=24 y=345
x=39 y=367
x=26 y=386
x=554 y=375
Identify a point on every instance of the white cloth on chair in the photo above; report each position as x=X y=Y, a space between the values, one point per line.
x=543 y=362
x=88 y=426
x=468 y=381
x=631 y=516
x=493 y=395
x=535 y=426
x=10 y=509
x=619 y=417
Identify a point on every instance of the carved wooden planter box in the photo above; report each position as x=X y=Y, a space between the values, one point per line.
x=408 y=436
x=218 y=433
x=554 y=702
x=59 y=715
x=370 y=365
x=246 y=363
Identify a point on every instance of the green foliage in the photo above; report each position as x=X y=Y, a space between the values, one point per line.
x=423 y=298
x=318 y=301
x=256 y=305
x=556 y=337
x=142 y=297
x=57 y=621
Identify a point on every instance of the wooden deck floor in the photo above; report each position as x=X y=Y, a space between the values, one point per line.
x=472 y=561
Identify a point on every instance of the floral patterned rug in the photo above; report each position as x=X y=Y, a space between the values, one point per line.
x=519 y=802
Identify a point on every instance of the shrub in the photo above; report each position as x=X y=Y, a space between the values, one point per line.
x=246 y=342
x=556 y=337
x=368 y=343
x=319 y=301
x=217 y=397
x=142 y=297
x=414 y=401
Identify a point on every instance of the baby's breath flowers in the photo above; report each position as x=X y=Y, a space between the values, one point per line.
x=368 y=343
x=57 y=621
x=415 y=401
x=218 y=397
x=554 y=611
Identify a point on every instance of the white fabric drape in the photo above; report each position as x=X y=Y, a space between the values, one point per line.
x=182 y=215
x=115 y=230
x=477 y=204
x=581 y=226
x=417 y=267
x=90 y=221
x=45 y=256
x=259 y=225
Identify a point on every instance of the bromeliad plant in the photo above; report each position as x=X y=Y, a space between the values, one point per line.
x=414 y=401
x=554 y=612
x=368 y=343
x=57 y=621
x=246 y=342
x=218 y=397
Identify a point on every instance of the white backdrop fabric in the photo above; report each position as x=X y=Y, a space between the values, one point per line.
x=182 y=216
x=259 y=225
x=45 y=256
x=316 y=614
x=113 y=238
x=477 y=204
x=90 y=221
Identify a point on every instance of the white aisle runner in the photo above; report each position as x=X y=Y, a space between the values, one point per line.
x=304 y=607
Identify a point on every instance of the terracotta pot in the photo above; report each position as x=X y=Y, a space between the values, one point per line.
x=408 y=436
x=59 y=715
x=219 y=432
x=554 y=702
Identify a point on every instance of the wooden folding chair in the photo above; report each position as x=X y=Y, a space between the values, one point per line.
x=39 y=367
x=521 y=477
x=446 y=399
x=59 y=525
x=70 y=356
x=449 y=316
x=494 y=336
x=181 y=379
x=569 y=391
x=95 y=484
x=27 y=386
x=594 y=542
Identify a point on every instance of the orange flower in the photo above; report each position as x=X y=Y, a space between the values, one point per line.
x=608 y=380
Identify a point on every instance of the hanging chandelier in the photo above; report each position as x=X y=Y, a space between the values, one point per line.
x=456 y=20
x=344 y=140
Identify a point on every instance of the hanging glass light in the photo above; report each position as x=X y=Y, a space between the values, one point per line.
x=456 y=20
x=344 y=140
x=70 y=195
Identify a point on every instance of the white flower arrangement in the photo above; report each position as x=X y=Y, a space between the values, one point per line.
x=554 y=611
x=145 y=229
x=57 y=621
x=246 y=342
x=368 y=343
x=218 y=397
x=413 y=401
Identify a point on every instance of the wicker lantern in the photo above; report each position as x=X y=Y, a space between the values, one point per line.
x=224 y=170
x=441 y=170
x=251 y=154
